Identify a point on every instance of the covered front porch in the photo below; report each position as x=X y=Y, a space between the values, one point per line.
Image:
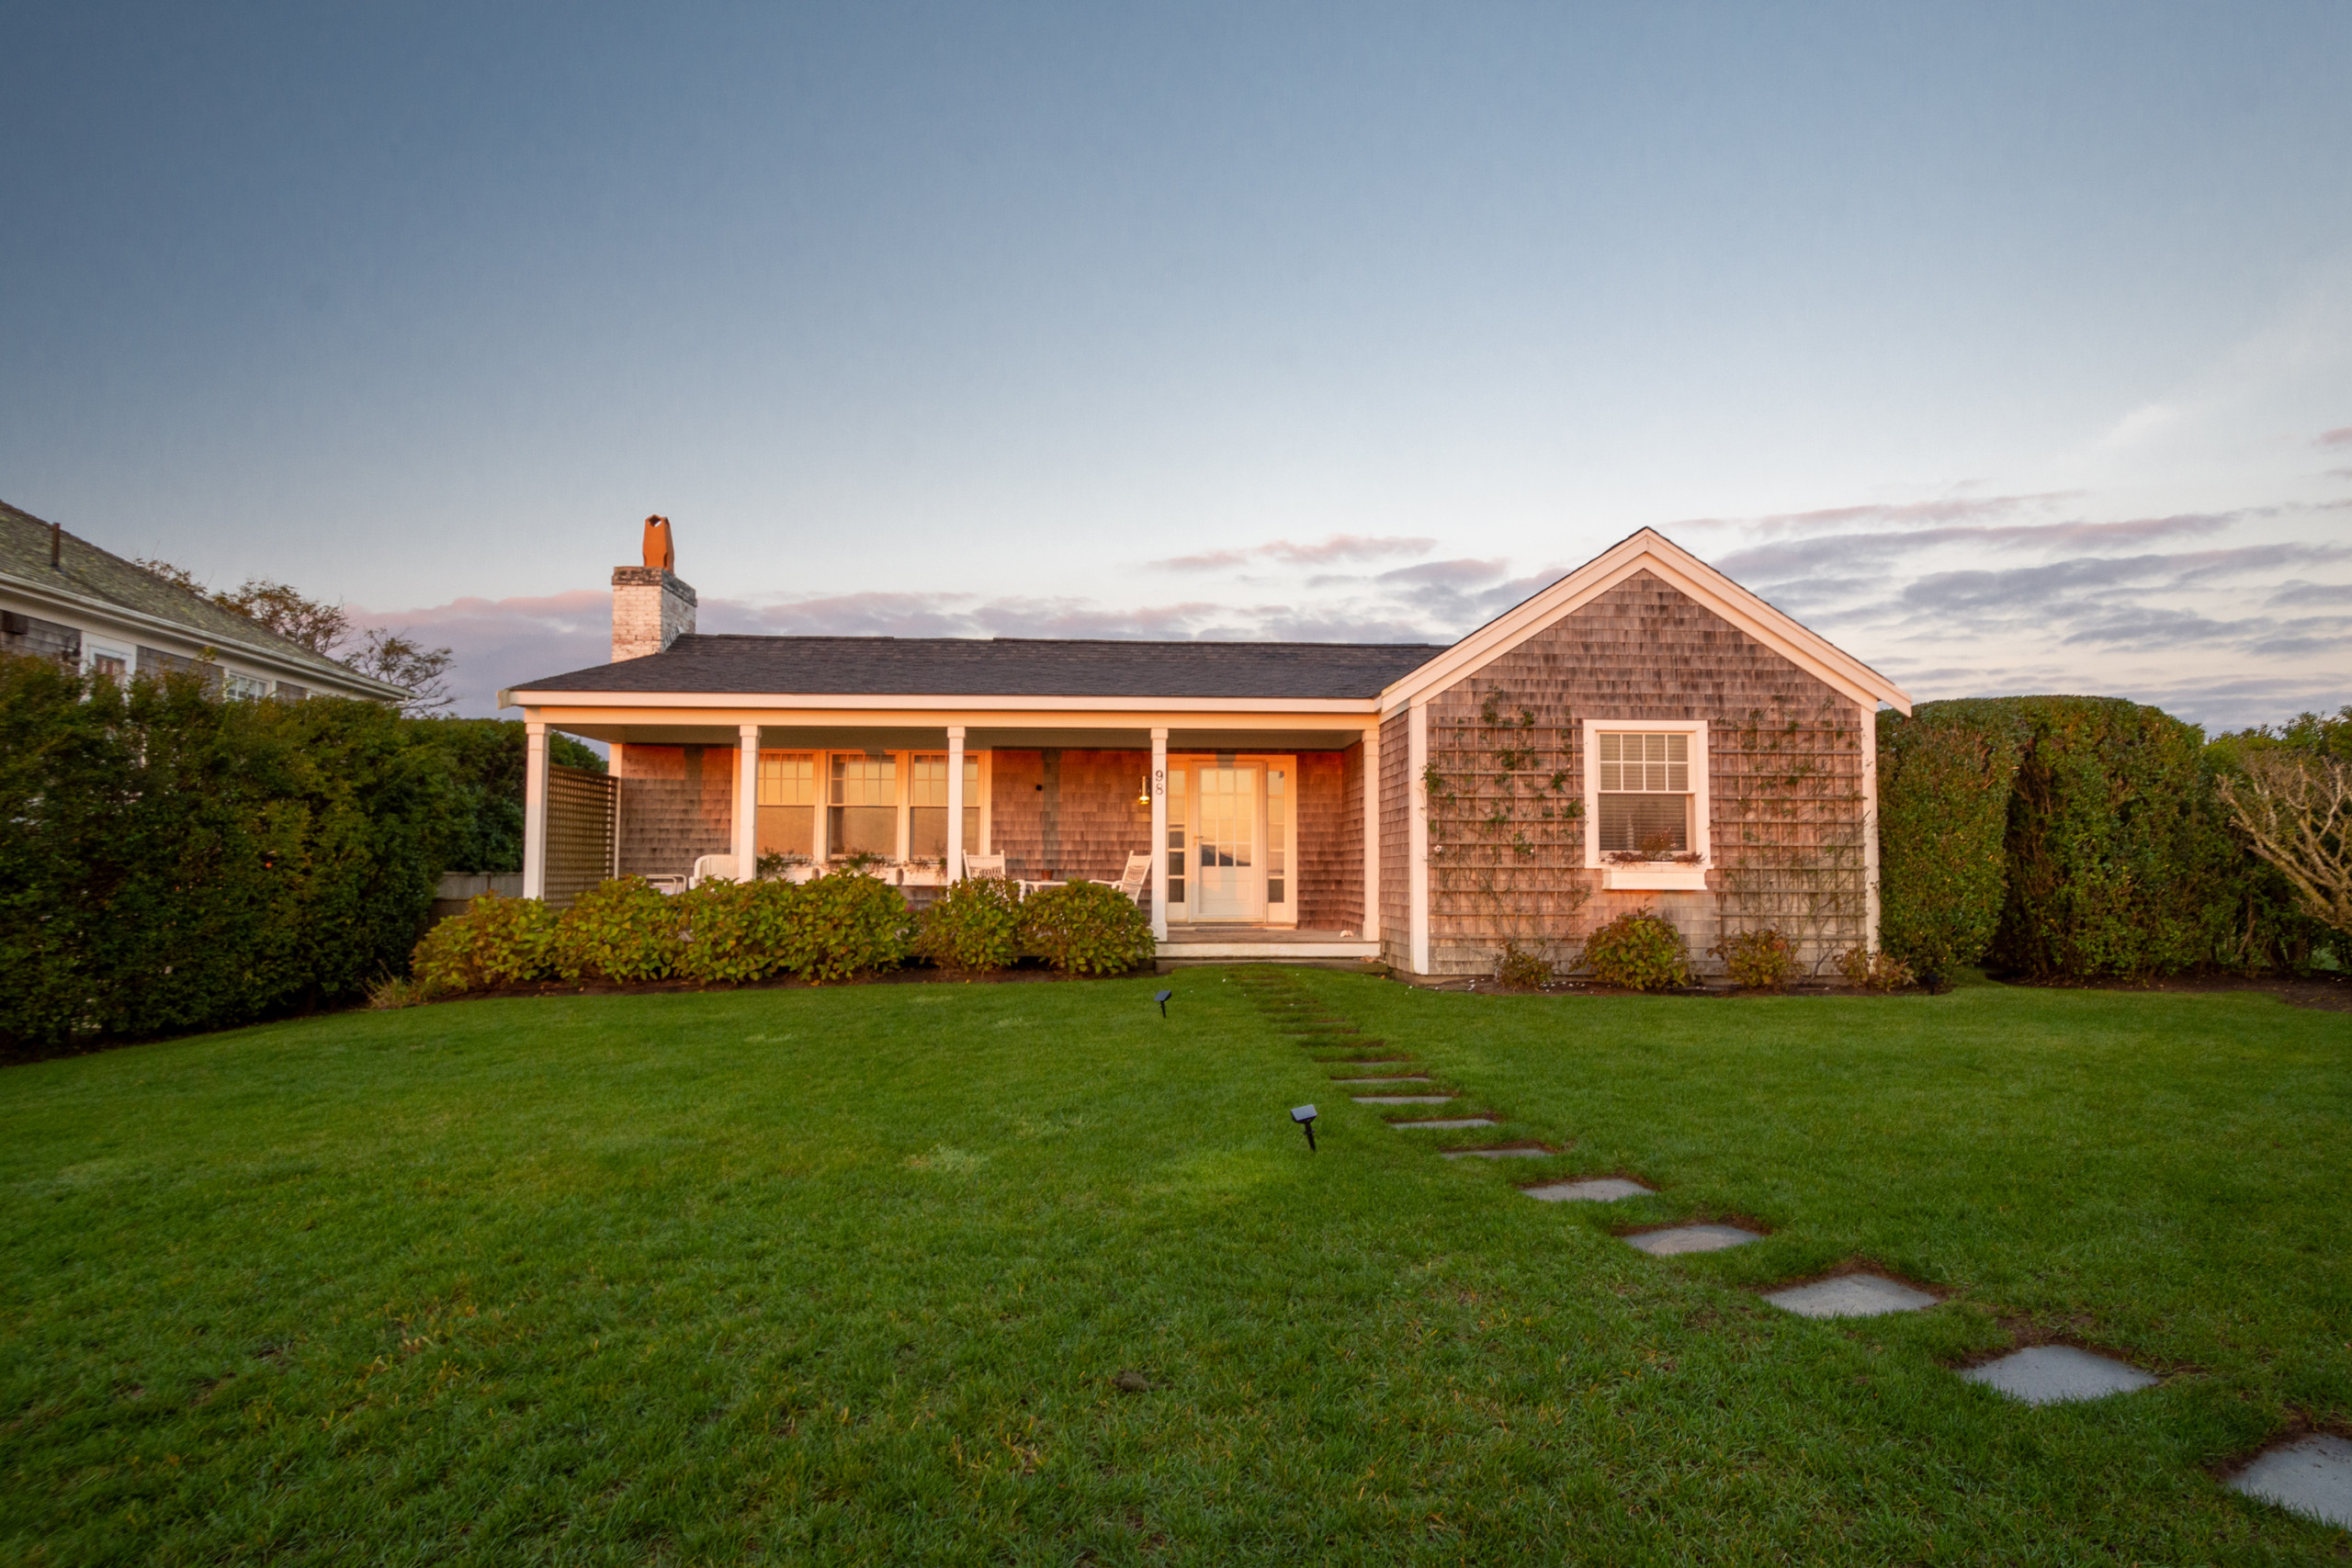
x=1259 y=830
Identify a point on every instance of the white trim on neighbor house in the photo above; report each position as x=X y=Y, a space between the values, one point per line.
x=122 y=630
x=1652 y=552
x=1649 y=875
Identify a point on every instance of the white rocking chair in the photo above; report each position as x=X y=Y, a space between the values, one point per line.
x=1137 y=876
x=711 y=866
x=984 y=865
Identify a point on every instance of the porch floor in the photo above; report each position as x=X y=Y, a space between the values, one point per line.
x=1211 y=941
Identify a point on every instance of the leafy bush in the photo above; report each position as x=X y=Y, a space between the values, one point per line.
x=1640 y=951
x=1945 y=778
x=1087 y=928
x=621 y=930
x=176 y=862
x=1761 y=960
x=844 y=923
x=484 y=760
x=1868 y=971
x=1525 y=967
x=735 y=929
x=973 y=925
x=496 y=942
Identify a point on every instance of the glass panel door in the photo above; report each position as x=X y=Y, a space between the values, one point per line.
x=1225 y=815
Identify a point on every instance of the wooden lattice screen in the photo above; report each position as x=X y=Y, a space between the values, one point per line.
x=583 y=831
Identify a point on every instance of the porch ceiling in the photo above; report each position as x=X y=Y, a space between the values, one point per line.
x=976 y=737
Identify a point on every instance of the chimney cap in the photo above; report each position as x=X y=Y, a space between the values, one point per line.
x=660 y=553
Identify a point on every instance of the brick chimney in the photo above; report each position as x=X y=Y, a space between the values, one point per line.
x=652 y=609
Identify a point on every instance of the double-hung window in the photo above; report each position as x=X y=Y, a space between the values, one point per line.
x=1646 y=801
x=787 y=808
x=864 y=819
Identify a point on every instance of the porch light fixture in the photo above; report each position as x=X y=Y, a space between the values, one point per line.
x=1161 y=997
x=1143 y=791
x=1305 y=1116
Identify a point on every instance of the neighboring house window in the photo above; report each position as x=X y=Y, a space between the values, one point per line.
x=109 y=660
x=864 y=819
x=287 y=692
x=249 y=687
x=788 y=803
x=1646 y=790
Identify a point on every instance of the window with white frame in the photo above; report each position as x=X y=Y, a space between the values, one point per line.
x=864 y=819
x=788 y=803
x=1648 y=790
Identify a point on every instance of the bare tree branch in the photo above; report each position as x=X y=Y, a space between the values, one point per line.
x=2294 y=811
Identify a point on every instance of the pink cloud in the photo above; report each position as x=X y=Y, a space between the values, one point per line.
x=2335 y=437
x=1323 y=552
x=499 y=642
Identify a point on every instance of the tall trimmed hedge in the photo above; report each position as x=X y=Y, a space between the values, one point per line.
x=173 y=862
x=2114 y=856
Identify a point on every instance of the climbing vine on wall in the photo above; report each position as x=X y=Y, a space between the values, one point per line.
x=1505 y=826
x=1787 y=789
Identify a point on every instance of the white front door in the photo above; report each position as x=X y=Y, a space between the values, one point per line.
x=1225 y=814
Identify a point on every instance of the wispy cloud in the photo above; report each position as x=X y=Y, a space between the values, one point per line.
x=1330 y=551
x=2342 y=437
x=498 y=642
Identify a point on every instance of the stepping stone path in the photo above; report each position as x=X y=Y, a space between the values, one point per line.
x=1690 y=1239
x=1851 y=1295
x=2313 y=1475
x=1495 y=1154
x=1597 y=1190
x=2052 y=1374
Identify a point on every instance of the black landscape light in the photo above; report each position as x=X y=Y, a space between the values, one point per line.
x=1161 y=997
x=1305 y=1116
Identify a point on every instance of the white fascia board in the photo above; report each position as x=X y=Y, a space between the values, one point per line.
x=832 y=706
x=1653 y=551
x=136 y=622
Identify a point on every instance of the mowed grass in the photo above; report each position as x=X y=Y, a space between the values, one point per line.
x=852 y=1274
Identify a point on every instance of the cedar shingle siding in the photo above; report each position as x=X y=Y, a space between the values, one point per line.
x=1784 y=758
x=1329 y=840
x=1395 y=841
x=1070 y=814
x=676 y=804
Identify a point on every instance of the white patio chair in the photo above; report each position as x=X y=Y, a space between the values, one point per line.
x=984 y=865
x=708 y=867
x=1138 y=876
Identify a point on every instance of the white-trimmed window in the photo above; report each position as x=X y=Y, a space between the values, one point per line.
x=865 y=817
x=251 y=688
x=788 y=803
x=1646 y=801
x=115 y=660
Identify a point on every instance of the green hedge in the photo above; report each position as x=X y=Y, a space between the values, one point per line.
x=2114 y=857
x=173 y=862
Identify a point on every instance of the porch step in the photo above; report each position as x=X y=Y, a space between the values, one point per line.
x=1270 y=949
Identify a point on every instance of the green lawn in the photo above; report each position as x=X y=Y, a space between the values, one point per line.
x=851 y=1275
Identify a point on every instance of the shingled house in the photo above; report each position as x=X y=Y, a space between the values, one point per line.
x=1644 y=733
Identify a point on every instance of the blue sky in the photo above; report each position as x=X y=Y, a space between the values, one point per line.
x=2010 y=346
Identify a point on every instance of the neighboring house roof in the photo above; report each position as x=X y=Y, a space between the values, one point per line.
x=1000 y=667
x=99 y=581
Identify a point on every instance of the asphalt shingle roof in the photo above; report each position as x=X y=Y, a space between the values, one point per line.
x=93 y=573
x=1002 y=667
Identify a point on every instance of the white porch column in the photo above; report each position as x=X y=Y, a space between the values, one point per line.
x=747 y=802
x=1370 y=930
x=1417 y=866
x=955 y=801
x=1159 y=882
x=1870 y=825
x=534 y=808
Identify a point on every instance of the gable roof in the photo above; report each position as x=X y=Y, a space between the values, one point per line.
x=1000 y=667
x=103 y=580
x=1649 y=551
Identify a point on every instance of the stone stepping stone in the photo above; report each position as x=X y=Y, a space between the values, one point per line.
x=1596 y=1189
x=2050 y=1374
x=1851 y=1295
x=1403 y=1098
x=1392 y=1077
x=1497 y=1153
x=2312 y=1475
x=1690 y=1239
x=1453 y=1122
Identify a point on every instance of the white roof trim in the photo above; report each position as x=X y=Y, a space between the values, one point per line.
x=1651 y=551
x=537 y=698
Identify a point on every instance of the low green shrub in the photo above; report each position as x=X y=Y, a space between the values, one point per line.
x=973 y=925
x=496 y=942
x=1087 y=928
x=1640 y=951
x=845 y=923
x=1525 y=967
x=735 y=930
x=1868 y=971
x=1759 y=961
x=620 y=930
